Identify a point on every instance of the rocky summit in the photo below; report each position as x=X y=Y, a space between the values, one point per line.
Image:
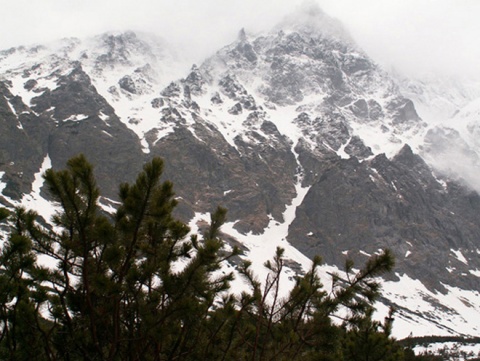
x=309 y=144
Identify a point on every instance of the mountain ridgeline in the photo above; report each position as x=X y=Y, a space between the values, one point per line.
x=296 y=116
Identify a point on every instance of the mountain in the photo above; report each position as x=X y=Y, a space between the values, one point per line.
x=452 y=108
x=309 y=144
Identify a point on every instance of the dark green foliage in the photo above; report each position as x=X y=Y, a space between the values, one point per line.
x=369 y=340
x=138 y=287
x=22 y=293
x=3 y=214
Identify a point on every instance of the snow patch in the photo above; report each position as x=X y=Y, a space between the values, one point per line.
x=475 y=272
x=459 y=255
x=12 y=108
x=103 y=117
x=262 y=247
x=162 y=133
x=2 y=184
x=108 y=205
x=394 y=186
x=35 y=200
x=76 y=118
x=341 y=151
x=43 y=83
x=461 y=316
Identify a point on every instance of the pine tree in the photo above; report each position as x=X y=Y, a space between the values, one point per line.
x=138 y=286
x=369 y=340
x=3 y=214
x=22 y=328
x=134 y=287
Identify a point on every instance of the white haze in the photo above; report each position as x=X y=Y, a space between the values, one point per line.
x=416 y=37
x=410 y=35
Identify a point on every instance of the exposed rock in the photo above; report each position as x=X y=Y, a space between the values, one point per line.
x=374 y=110
x=172 y=90
x=216 y=98
x=158 y=103
x=30 y=84
x=232 y=88
x=388 y=203
x=236 y=109
x=195 y=81
x=22 y=145
x=360 y=108
x=244 y=48
x=127 y=84
x=404 y=110
x=357 y=148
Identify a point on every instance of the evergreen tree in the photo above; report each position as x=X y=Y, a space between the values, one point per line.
x=369 y=340
x=22 y=328
x=3 y=214
x=137 y=286
x=115 y=292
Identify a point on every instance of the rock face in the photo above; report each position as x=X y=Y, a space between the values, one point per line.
x=299 y=114
x=362 y=207
x=70 y=119
x=23 y=143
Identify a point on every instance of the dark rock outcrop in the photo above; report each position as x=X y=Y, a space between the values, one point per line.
x=396 y=204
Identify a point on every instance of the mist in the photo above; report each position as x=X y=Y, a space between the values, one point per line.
x=416 y=37
x=413 y=37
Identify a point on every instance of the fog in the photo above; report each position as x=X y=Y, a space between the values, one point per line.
x=411 y=36
x=416 y=37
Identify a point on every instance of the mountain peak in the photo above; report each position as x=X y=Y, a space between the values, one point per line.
x=310 y=18
x=242 y=35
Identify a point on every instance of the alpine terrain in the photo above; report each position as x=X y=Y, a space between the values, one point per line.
x=307 y=142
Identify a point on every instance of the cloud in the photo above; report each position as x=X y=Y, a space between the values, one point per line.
x=412 y=36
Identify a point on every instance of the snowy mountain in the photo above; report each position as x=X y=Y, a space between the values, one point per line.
x=308 y=143
x=452 y=109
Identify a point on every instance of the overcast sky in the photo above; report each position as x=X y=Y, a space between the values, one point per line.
x=411 y=35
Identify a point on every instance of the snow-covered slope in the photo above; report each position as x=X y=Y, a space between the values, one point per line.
x=451 y=107
x=126 y=70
